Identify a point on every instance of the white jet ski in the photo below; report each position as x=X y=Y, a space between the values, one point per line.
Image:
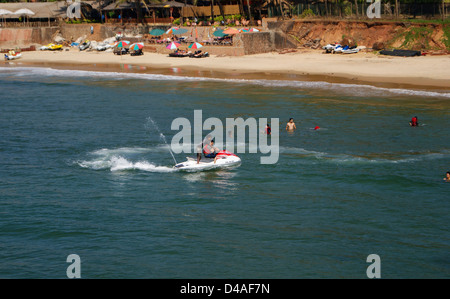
x=223 y=159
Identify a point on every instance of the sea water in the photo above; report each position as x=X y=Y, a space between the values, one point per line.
x=82 y=172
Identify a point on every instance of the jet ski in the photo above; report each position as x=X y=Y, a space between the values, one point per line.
x=350 y=51
x=223 y=159
x=84 y=46
x=103 y=47
x=330 y=48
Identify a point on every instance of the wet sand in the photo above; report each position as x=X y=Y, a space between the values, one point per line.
x=362 y=68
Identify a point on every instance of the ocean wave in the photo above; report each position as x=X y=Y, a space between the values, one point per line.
x=352 y=89
x=387 y=157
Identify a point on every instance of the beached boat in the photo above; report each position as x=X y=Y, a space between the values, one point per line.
x=84 y=46
x=103 y=47
x=350 y=51
x=51 y=47
x=330 y=48
x=402 y=53
x=11 y=55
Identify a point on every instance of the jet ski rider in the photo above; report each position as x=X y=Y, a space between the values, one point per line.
x=209 y=150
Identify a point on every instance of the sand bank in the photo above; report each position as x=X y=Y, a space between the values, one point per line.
x=424 y=71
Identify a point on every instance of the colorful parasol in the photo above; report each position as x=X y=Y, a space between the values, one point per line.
x=136 y=46
x=122 y=44
x=157 y=32
x=195 y=46
x=176 y=31
x=231 y=31
x=173 y=46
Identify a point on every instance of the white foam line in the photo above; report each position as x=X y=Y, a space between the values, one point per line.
x=33 y=71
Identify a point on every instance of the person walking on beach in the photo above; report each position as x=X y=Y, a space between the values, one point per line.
x=290 y=126
x=92 y=29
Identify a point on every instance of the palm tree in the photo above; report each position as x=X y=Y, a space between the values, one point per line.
x=137 y=5
x=249 y=10
x=443 y=10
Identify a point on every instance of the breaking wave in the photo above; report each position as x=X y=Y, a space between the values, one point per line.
x=394 y=157
x=354 y=89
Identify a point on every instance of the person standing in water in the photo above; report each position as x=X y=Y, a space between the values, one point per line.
x=414 y=122
x=290 y=126
x=268 y=129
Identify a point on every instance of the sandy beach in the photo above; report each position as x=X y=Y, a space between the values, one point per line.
x=424 y=71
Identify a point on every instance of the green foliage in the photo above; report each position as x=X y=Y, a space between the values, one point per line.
x=446 y=38
x=176 y=21
x=414 y=38
x=307 y=13
x=347 y=8
x=237 y=17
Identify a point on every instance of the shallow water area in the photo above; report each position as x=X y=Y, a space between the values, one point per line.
x=85 y=171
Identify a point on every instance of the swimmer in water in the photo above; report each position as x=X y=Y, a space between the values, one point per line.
x=414 y=122
x=290 y=126
x=447 y=177
x=268 y=130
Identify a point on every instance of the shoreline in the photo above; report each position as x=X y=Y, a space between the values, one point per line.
x=304 y=65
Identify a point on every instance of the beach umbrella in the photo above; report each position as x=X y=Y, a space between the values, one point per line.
x=253 y=30
x=219 y=33
x=136 y=46
x=157 y=32
x=5 y=12
x=195 y=46
x=122 y=44
x=180 y=31
x=176 y=30
x=171 y=30
x=173 y=46
x=244 y=30
x=24 y=12
x=231 y=31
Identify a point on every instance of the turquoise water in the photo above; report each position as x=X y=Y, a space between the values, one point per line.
x=84 y=171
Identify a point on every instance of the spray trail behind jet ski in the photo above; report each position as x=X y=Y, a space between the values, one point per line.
x=161 y=135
